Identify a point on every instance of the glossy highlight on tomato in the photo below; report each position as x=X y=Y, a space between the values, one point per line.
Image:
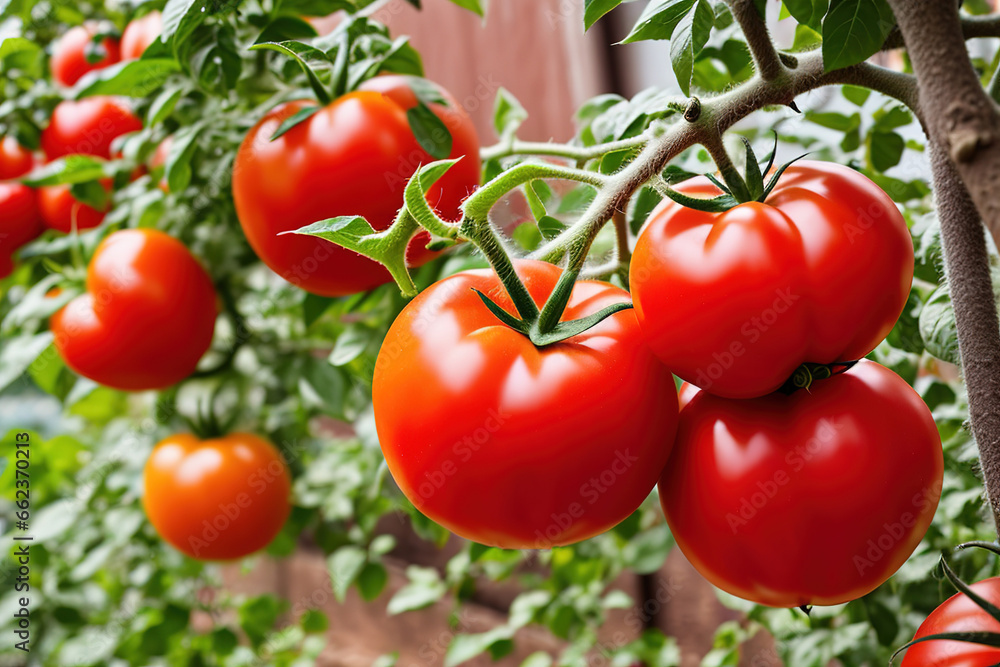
x=815 y=498
x=351 y=158
x=958 y=614
x=147 y=317
x=69 y=62
x=484 y=432
x=15 y=159
x=217 y=499
x=88 y=126
x=139 y=34
x=734 y=302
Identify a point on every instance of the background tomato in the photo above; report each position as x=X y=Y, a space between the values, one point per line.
x=493 y=438
x=60 y=209
x=147 y=317
x=15 y=159
x=958 y=614
x=813 y=498
x=88 y=126
x=69 y=55
x=351 y=158
x=19 y=221
x=735 y=302
x=139 y=34
x=217 y=499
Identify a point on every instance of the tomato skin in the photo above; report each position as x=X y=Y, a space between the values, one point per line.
x=15 y=159
x=509 y=445
x=819 y=273
x=139 y=34
x=60 y=209
x=88 y=126
x=147 y=317
x=19 y=221
x=813 y=498
x=958 y=614
x=351 y=158
x=217 y=499
x=69 y=54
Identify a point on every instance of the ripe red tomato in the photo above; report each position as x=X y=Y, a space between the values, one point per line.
x=735 y=302
x=88 y=126
x=958 y=614
x=15 y=159
x=813 y=498
x=19 y=222
x=60 y=209
x=139 y=34
x=217 y=499
x=352 y=158
x=485 y=433
x=147 y=316
x=69 y=55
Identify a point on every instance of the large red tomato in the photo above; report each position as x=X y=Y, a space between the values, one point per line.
x=514 y=446
x=69 y=55
x=147 y=316
x=217 y=499
x=352 y=158
x=19 y=221
x=15 y=159
x=139 y=34
x=958 y=614
x=88 y=126
x=812 y=498
x=735 y=302
x=61 y=211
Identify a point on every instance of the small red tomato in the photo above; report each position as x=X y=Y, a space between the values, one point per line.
x=485 y=433
x=19 y=221
x=734 y=302
x=62 y=212
x=69 y=55
x=353 y=157
x=815 y=498
x=217 y=499
x=958 y=614
x=140 y=33
x=88 y=126
x=147 y=316
x=15 y=159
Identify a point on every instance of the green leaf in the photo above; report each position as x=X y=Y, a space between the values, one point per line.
x=163 y=105
x=135 y=78
x=430 y=131
x=538 y=659
x=70 y=169
x=314 y=306
x=372 y=581
x=180 y=18
x=856 y=95
x=467 y=647
x=646 y=552
x=806 y=39
x=19 y=353
x=809 y=13
x=345 y=564
x=476 y=6
x=508 y=114
x=299 y=116
x=285 y=28
x=314 y=621
x=658 y=20
x=550 y=227
x=937 y=326
x=297 y=51
x=425 y=588
x=854 y=30
x=350 y=345
x=178 y=166
x=885 y=149
x=346 y=230
x=688 y=40
x=595 y=9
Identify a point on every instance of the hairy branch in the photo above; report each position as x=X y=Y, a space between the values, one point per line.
x=765 y=56
x=967 y=265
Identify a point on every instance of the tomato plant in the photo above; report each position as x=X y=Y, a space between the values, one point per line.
x=351 y=158
x=88 y=127
x=823 y=493
x=139 y=34
x=78 y=52
x=958 y=614
x=216 y=499
x=464 y=405
x=147 y=316
x=734 y=302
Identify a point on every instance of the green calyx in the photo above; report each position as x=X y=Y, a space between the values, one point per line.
x=807 y=374
x=736 y=188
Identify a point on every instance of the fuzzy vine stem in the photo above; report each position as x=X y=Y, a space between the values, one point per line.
x=765 y=56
